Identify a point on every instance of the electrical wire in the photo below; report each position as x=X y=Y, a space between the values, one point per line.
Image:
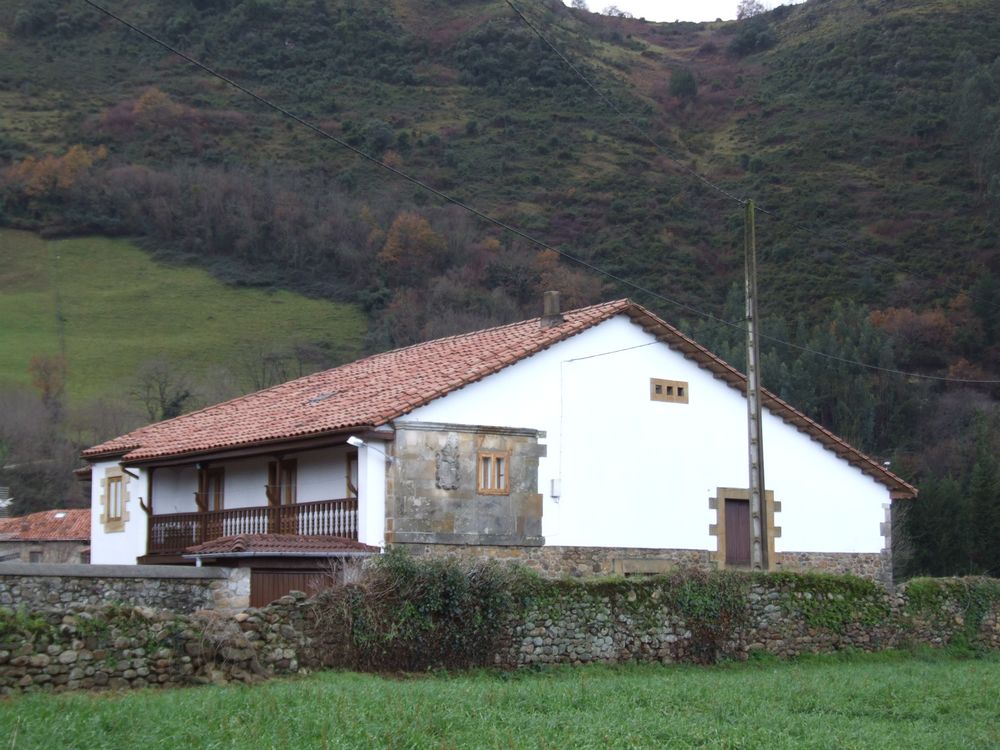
x=503 y=225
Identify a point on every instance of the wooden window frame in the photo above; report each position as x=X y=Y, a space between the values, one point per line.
x=115 y=503
x=211 y=494
x=670 y=391
x=351 y=462
x=495 y=480
x=114 y=509
x=277 y=474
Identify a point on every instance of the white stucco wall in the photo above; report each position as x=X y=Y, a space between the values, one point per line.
x=639 y=473
x=320 y=475
x=118 y=547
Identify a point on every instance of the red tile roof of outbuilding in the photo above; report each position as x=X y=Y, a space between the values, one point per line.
x=47 y=526
x=371 y=392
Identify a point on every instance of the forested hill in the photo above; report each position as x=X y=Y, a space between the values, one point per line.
x=866 y=129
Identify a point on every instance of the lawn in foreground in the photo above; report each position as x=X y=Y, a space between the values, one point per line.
x=884 y=701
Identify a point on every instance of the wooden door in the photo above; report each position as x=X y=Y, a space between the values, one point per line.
x=737 y=532
x=281 y=492
x=268 y=585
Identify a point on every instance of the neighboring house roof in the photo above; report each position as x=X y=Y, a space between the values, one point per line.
x=253 y=545
x=47 y=526
x=371 y=392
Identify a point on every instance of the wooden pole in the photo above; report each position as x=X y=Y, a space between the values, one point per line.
x=758 y=522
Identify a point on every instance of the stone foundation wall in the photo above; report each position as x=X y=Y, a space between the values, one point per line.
x=577 y=562
x=876 y=566
x=169 y=587
x=584 y=562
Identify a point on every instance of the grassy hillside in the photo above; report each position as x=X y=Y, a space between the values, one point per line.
x=114 y=309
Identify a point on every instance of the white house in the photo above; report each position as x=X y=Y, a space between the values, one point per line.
x=594 y=441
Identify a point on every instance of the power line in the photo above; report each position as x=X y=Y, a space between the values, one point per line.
x=498 y=223
x=400 y=173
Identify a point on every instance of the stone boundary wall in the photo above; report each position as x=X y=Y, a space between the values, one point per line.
x=561 y=622
x=34 y=586
x=620 y=623
x=553 y=561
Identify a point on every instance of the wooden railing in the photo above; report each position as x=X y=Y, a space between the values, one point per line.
x=174 y=532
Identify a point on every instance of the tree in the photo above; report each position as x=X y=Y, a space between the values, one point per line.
x=162 y=388
x=683 y=84
x=615 y=12
x=984 y=494
x=411 y=252
x=48 y=375
x=749 y=9
x=36 y=460
x=579 y=4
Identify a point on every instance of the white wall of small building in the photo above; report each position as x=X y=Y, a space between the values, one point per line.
x=639 y=473
x=118 y=547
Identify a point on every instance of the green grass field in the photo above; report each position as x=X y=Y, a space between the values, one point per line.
x=884 y=701
x=116 y=308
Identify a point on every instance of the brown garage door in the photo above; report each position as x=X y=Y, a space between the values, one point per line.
x=268 y=585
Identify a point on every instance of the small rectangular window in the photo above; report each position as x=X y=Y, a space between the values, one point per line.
x=492 y=473
x=114 y=505
x=674 y=391
x=35 y=556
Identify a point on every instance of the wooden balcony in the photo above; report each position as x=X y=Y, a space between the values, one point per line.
x=171 y=534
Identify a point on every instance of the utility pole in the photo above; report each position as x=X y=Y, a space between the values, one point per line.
x=758 y=522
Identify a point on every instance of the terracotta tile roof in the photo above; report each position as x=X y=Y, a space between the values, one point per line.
x=47 y=526
x=280 y=544
x=373 y=391
x=366 y=393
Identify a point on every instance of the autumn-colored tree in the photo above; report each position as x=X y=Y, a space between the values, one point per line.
x=39 y=177
x=411 y=251
x=48 y=375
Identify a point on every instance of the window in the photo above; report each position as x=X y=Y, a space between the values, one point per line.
x=492 y=473
x=281 y=479
x=114 y=503
x=35 y=556
x=211 y=489
x=675 y=391
x=114 y=500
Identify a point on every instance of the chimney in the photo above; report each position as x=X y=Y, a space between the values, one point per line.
x=551 y=316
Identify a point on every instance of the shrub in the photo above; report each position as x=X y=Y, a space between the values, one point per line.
x=415 y=615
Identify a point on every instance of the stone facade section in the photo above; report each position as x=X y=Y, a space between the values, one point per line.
x=575 y=562
x=876 y=566
x=168 y=587
x=589 y=562
x=432 y=492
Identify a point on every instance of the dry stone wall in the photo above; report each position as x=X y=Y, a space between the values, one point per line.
x=661 y=619
x=169 y=587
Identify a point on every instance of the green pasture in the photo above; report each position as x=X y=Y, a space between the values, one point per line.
x=113 y=308
x=885 y=701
